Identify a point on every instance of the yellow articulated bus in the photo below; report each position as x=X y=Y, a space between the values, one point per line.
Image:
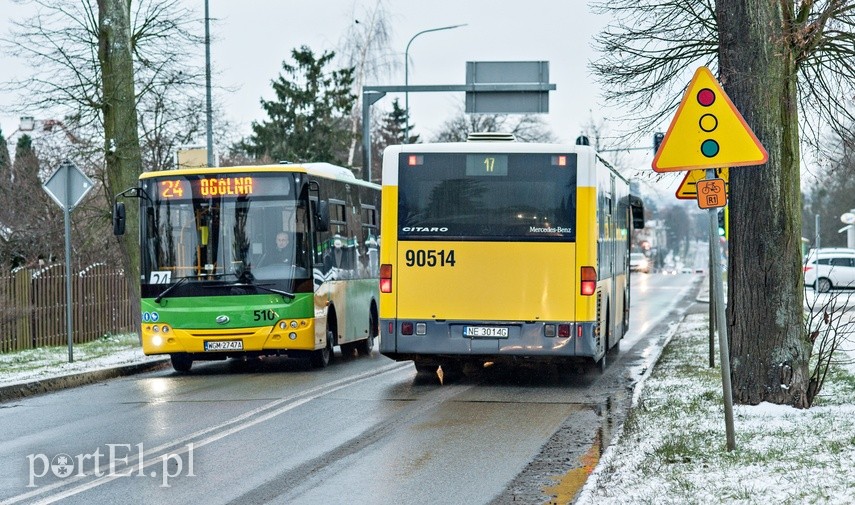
x=497 y=250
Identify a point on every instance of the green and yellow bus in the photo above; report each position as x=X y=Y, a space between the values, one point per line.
x=500 y=250
x=259 y=260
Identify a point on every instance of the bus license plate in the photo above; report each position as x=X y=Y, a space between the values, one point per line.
x=223 y=345
x=485 y=331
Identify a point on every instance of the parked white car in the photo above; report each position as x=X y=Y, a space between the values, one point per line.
x=829 y=268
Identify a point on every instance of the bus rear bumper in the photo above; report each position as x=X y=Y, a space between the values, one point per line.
x=524 y=339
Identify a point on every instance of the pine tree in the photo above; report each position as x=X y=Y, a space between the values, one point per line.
x=392 y=130
x=389 y=132
x=308 y=119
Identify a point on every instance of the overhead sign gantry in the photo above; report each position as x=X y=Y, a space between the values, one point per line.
x=491 y=87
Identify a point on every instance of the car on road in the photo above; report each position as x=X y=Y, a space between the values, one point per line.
x=638 y=262
x=829 y=268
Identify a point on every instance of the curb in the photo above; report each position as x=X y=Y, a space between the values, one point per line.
x=49 y=384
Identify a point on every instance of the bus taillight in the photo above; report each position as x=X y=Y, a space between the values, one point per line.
x=589 y=281
x=385 y=278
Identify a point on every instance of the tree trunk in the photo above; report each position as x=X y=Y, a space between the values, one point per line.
x=769 y=350
x=121 y=138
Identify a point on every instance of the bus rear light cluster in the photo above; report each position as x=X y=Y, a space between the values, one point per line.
x=588 y=286
x=549 y=330
x=385 y=278
x=408 y=328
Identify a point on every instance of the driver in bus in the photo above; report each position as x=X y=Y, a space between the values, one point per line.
x=283 y=254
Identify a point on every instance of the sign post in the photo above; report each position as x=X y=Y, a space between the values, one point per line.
x=708 y=133
x=67 y=186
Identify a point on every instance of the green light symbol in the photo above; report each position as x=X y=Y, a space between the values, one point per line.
x=709 y=148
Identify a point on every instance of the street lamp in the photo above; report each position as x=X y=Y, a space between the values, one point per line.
x=407 y=76
x=209 y=129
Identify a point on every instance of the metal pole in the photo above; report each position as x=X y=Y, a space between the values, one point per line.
x=816 y=241
x=368 y=99
x=712 y=306
x=721 y=323
x=407 y=77
x=208 y=113
x=68 y=301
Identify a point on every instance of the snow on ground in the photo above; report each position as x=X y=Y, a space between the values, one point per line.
x=672 y=447
x=47 y=362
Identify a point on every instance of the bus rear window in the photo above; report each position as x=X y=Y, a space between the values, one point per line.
x=487 y=196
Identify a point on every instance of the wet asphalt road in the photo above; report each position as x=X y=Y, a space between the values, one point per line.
x=364 y=430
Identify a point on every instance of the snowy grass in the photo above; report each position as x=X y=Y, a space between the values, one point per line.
x=35 y=364
x=673 y=445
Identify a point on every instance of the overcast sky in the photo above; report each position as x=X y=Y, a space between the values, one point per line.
x=251 y=39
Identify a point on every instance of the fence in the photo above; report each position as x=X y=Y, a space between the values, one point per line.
x=33 y=306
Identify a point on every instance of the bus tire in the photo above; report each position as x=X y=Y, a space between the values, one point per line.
x=364 y=347
x=181 y=362
x=321 y=357
x=607 y=337
x=425 y=367
x=452 y=371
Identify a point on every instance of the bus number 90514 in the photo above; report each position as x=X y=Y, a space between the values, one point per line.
x=429 y=258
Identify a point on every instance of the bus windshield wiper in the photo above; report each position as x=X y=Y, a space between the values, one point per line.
x=284 y=294
x=166 y=291
x=245 y=281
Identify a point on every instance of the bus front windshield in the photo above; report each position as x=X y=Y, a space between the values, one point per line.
x=234 y=228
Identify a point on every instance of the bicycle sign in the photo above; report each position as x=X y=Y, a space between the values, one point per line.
x=711 y=193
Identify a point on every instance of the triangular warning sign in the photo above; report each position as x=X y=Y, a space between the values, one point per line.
x=707 y=131
x=688 y=188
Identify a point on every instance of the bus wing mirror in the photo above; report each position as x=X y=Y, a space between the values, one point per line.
x=119 y=218
x=637 y=208
x=323 y=219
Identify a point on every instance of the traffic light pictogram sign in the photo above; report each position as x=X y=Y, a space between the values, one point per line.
x=707 y=131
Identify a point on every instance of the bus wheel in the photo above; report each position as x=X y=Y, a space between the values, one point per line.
x=607 y=338
x=364 y=347
x=449 y=371
x=425 y=367
x=321 y=357
x=181 y=361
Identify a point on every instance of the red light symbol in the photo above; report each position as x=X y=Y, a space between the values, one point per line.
x=706 y=97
